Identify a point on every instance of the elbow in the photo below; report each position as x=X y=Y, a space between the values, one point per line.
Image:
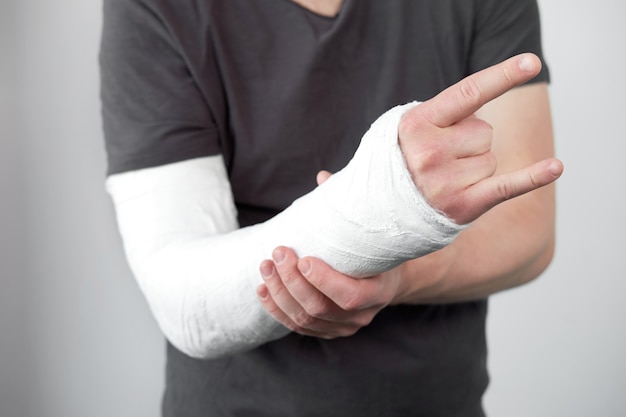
x=211 y=333
x=182 y=346
x=194 y=331
x=204 y=318
x=183 y=319
x=194 y=346
x=537 y=234
x=541 y=260
x=215 y=343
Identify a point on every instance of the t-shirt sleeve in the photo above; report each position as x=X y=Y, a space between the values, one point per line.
x=152 y=109
x=504 y=28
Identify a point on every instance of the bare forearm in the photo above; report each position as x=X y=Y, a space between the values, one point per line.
x=507 y=247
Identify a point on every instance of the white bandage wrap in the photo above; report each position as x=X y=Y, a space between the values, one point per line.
x=199 y=272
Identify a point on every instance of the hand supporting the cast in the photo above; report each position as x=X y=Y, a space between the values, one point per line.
x=448 y=153
x=309 y=297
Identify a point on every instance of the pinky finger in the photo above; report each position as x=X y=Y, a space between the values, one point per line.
x=492 y=191
x=271 y=307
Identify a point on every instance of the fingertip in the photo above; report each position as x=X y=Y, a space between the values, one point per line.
x=529 y=63
x=555 y=167
x=262 y=292
x=266 y=269
x=279 y=254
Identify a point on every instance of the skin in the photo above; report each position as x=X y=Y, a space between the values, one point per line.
x=329 y=8
x=472 y=152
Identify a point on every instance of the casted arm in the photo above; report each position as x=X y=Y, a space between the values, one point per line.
x=468 y=166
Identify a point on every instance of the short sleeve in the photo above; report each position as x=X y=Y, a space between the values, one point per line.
x=504 y=28
x=152 y=109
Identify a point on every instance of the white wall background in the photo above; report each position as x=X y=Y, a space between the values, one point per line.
x=76 y=338
x=558 y=345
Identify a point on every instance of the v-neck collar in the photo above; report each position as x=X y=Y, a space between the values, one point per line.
x=318 y=15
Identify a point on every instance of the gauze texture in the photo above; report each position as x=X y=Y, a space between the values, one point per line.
x=199 y=272
x=370 y=216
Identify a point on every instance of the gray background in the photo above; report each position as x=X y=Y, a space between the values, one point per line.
x=76 y=338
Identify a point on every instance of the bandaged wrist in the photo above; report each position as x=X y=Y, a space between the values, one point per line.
x=369 y=217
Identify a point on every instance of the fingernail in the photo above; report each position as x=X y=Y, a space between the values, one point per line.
x=526 y=64
x=278 y=255
x=267 y=269
x=304 y=266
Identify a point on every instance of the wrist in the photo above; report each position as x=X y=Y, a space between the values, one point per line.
x=424 y=280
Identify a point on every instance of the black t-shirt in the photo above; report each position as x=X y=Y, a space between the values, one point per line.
x=281 y=93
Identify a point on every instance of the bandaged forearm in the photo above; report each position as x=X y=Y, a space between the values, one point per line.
x=199 y=272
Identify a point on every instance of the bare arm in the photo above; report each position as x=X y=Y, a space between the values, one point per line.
x=512 y=243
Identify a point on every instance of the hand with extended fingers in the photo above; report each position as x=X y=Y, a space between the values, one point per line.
x=448 y=153
x=448 y=149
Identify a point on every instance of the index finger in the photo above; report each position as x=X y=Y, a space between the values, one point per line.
x=464 y=98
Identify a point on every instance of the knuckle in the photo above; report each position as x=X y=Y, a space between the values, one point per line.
x=406 y=125
x=428 y=158
x=508 y=75
x=432 y=152
x=317 y=309
x=293 y=327
x=363 y=320
x=287 y=277
x=506 y=190
x=277 y=290
x=303 y=320
x=287 y=274
x=350 y=331
x=353 y=302
x=470 y=91
x=491 y=163
x=410 y=123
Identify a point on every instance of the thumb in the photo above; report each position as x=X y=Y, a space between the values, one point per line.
x=488 y=193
